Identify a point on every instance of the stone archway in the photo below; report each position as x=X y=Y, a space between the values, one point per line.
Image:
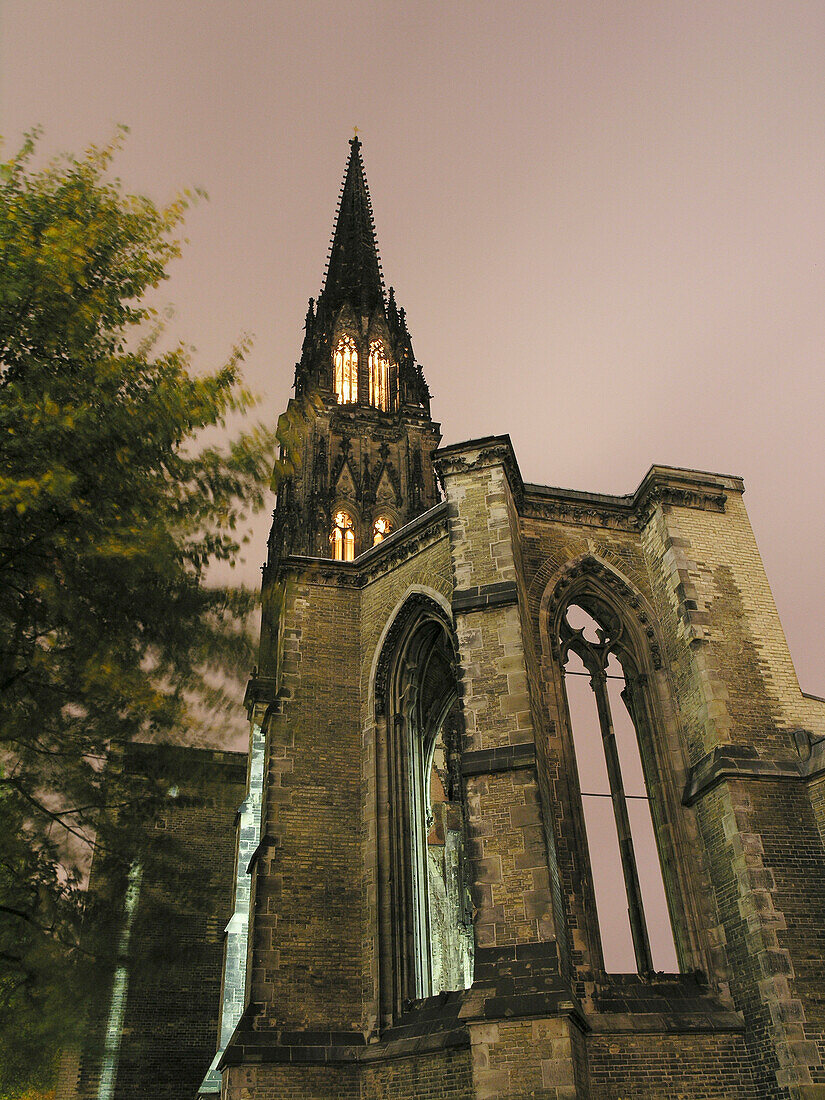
x=425 y=923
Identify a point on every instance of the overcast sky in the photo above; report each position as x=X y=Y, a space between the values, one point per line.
x=605 y=220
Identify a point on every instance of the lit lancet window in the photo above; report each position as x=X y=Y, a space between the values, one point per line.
x=604 y=696
x=343 y=537
x=346 y=371
x=379 y=376
x=380 y=529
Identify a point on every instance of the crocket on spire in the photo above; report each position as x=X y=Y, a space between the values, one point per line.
x=354 y=269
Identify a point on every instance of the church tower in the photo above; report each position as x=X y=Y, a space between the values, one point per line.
x=357 y=438
x=535 y=806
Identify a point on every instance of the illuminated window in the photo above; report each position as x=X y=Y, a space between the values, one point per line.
x=343 y=537
x=380 y=529
x=606 y=700
x=346 y=371
x=379 y=376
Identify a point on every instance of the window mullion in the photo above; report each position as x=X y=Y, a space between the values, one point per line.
x=638 y=925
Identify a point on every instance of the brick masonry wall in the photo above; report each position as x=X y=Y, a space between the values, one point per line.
x=511 y=881
x=739 y=653
x=306 y=925
x=669 y=1067
x=444 y=1075
x=286 y=1082
x=427 y=571
x=736 y=684
x=540 y=1059
x=170 y=1027
x=510 y=849
x=816 y=790
x=813 y=713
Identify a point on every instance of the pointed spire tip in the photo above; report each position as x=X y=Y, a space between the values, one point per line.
x=353 y=270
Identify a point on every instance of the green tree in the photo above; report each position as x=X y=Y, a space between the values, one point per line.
x=110 y=512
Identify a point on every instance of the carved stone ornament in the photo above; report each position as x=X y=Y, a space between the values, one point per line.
x=418 y=603
x=624 y=513
x=625 y=595
x=497 y=451
x=620 y=517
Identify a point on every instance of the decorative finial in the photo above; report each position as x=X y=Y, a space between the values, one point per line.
x=354 y=139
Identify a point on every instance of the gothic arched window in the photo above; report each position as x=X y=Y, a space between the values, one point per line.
x=424 y=907
x=605 y=691
x=380 y=529
x=379 y=376
x=346 y=371
x=343 y=537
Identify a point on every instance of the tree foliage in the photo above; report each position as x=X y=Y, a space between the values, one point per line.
x=110 y=512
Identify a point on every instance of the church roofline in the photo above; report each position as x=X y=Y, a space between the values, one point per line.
x=657 y=476
x=661 y=485
x=402 y=543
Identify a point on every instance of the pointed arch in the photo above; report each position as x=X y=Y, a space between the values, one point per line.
x=345 y=371
x=342 y=535
x=621 y=661
x=588 y=573
x=379 y=372
x=425 y=931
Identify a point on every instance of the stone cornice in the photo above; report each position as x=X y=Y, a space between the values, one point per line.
x=481 y=597
x=260 y=691
x=661 y=486
x=388 y=426
x=398 y=547
x=728 y=762
x=479 y=454
x=569 y=506
x=506 y=758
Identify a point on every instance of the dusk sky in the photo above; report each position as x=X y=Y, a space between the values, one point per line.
x=605 y=221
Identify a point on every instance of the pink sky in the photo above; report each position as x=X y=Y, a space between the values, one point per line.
x=605 y=220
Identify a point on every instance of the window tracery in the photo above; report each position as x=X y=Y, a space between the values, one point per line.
x=379 y=376
x=346 y=371
x=380 y=529
x=343 y=537
x=605 y=691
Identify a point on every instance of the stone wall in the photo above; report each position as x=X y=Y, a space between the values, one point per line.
x=443 y=1075
x=704 y=1066
x=730 y=754
x=382 y=598
x=306 y=920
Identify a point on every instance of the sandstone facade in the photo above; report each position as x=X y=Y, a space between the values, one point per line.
x=423 y=913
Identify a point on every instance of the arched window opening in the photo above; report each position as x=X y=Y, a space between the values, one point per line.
x=346 y=371
x=425 y=911
x=380 y=529
x=604 y=695
x=450 y=954
x=343 y=537
x=379 y=376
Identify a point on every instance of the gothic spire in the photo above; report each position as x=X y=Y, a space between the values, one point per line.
x=353 y=270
